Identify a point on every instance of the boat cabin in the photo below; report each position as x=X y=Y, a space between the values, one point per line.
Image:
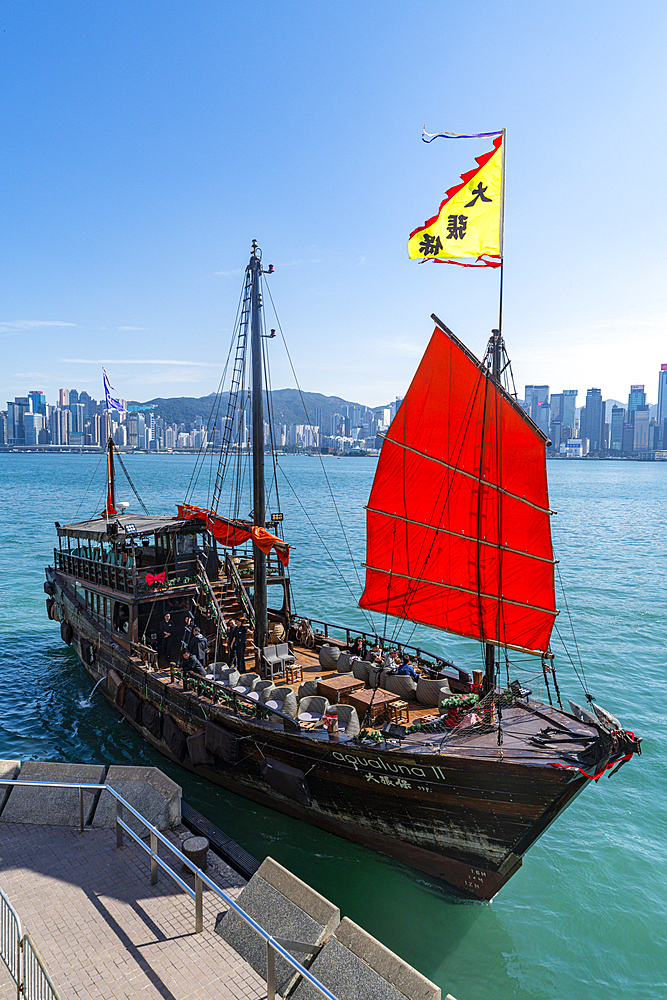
x=131 y=570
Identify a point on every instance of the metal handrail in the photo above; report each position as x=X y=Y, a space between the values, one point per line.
x=37 y=983
x=201 y=879
x=239 y=586
x=21 y=958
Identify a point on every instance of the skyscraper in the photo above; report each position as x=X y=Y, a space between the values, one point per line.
x=641 y=423
x=595 y=420
x=536 y=394
x=569 y=410
x=662 y=394
x=636 y=398
x=38 y=400
x=616 y=429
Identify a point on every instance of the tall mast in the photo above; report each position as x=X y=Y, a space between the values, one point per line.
x=110 y=509
x=259 y=502
x=494 y=350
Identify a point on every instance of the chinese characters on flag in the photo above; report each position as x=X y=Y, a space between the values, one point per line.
x=469 y=219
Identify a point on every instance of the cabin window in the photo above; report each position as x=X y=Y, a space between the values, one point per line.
x=121 y=617
x=185 y=545
x=106 y=608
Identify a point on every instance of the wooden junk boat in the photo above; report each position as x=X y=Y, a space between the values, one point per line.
x=455 y=775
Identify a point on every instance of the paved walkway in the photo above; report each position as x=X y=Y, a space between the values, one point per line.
x=103 y=931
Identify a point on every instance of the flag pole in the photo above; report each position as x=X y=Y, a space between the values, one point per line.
x=502 y=234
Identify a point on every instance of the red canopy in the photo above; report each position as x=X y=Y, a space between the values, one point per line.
x=458 y=523
x=232 y=533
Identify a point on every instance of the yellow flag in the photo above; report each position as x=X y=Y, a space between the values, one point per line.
x=469 y=219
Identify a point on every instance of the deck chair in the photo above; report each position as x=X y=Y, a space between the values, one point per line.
x=312 y=708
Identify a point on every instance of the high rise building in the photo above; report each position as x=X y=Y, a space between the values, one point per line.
x=569 y=413
x=63 y=397
x=16 y=412
x=595 y=420
x=542 y=416
x=556 y=433
x=662 y=394
x=78 y=412
x=38 y=400
x=636 y=398
x=641 y=424
x=616 y=428
x=61 y=425
x=33 y=424
x=536 y=394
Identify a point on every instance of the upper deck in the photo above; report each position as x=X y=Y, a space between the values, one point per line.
x=126 y=553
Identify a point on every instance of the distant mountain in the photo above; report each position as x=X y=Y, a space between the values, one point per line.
x=287 y=405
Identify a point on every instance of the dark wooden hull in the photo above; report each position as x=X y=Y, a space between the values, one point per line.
x=466 y=820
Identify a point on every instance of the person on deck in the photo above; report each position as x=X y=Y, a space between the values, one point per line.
x=188 y=628
x=166 y=635
x=189 y=663
x=359 y=647
x=231 y=637
x=239 y=637
x=391 y=660
x=198 y=645
x=407 y=669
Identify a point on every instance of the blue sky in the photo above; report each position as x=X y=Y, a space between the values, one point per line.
x=146 y=144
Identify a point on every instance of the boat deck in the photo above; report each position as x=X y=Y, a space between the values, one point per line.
x=531 y=731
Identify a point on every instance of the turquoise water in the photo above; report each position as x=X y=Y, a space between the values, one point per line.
x=586 y=915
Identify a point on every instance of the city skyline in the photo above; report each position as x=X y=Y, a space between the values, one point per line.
x=598 y=426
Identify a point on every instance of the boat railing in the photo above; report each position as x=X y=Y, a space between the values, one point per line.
x=239 y=587
x=220 y=694
x=206 y=583
x=422 y=656
x=274 y=946
x=126 y=578
x=146 y=654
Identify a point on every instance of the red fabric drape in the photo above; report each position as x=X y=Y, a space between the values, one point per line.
x=231 y=533
x=458 y=523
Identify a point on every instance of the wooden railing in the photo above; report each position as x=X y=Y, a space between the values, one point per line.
x=239 y=587
x=124 y=578
x=422 y=656
x=104 y=574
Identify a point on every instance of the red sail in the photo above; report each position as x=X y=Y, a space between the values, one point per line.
x=458 y=518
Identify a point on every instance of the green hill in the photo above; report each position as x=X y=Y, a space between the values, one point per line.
x=287 y=405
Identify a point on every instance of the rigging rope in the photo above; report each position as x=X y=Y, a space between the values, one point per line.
x=319 y=453
x=85 y=492
x=127 y=476
x=582 y=679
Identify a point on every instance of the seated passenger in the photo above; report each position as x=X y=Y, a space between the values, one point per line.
x=358 y=647
x=189 y=663
x=408 y=669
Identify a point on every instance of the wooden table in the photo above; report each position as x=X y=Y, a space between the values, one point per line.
x=338 y=688
x=361 y=700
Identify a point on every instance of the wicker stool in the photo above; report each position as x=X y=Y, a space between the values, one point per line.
x=398 y=712
x=294 y=673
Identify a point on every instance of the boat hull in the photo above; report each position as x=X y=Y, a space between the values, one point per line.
x=464 y=820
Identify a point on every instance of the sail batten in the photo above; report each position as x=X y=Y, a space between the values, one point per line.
x=458 y=520
x=456 y=534
x=463 y=590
